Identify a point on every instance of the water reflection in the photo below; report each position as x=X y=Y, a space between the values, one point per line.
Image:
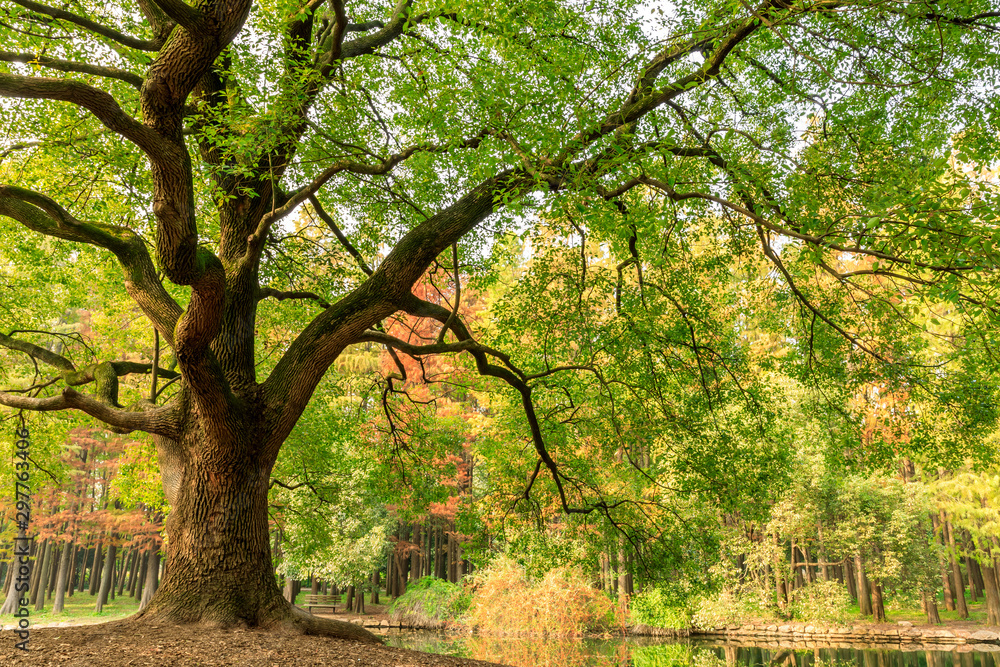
x=645 y=652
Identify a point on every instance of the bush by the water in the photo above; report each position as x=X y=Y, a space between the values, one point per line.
x=732 y=606
x=659 y=608
x=429 y=603
x=562 y=602
x=822 y=601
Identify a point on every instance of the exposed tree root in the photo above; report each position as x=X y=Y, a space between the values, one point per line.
x=280 y=617
x=327 y=627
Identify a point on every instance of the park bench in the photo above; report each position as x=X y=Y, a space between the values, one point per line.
x=322 y=602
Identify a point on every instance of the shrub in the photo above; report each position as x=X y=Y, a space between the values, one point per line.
x=732 y=607
x=430 y=603
x=659 y=608
x=505 y=601
x=822 y=601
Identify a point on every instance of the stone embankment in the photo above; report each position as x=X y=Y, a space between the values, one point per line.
x=903 y=634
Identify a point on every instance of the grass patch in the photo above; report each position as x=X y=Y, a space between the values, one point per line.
x=80 y=609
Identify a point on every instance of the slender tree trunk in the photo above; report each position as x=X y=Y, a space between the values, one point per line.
x=9 y=572
x=71 y=575
x=83 y=567
x=949 y=599
x=991 y=590
x=375 y=586
x=428 y=546
x=622 y=574
x=359 y=600
x=62 y=579
x=289 y=591
x=141 y=576
x=95 y=569
x=878 y=607
x=976 y=585
x=107 y=578
x=152 y=578
x=13 y=596
x=851 y=578
x=864 y=590
x=43 y=572
x=415 y=568
x=390 y=575
x=958 y=587
x=929 y=601
x=128 y=563
x=133 y=570
x=50 y=587
x=349 y=602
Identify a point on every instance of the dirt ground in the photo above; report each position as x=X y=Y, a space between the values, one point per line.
x=120 y=643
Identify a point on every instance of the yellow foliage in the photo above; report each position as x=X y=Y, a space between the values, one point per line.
x=562 y=603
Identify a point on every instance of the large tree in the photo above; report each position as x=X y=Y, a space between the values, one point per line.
x=419 y=134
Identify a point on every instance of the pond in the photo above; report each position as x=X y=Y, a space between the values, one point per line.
x=651 y=652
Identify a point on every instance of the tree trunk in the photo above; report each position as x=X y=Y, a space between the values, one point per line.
x=958 y=587
x=991 y=590
x=42 y=579
x=930 y=607
x=878 y=607
x=71 y=575
x=375 y=587
x=152 y=578
x=83 y=568
x=95 y=569
x=851 y=579
x=218 y=563
x=107 y=578
x=949 y=599
x=349 y=603
x=415 y=568
x=390 y=575
x=622 y=574
x=62 y=579
x=977 y=587
x=359 y=600
x=22 y=572
x=50 y=587
x=864 y=590
x=135 y=581
x=129 y=566
x=289 y=590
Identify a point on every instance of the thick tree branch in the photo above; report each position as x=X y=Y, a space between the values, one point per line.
x=133 y=80
x=101 y=104
x=37 y=352
x=185 y=15
x=160 y=421
x=42 y=214
x=268 y=292
x=92 y=26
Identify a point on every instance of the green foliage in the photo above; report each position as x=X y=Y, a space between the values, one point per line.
x=430 y=603
x=659 y=608
x=730 y=606
x=822 y=601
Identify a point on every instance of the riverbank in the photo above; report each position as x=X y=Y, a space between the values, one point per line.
x=902 y=633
